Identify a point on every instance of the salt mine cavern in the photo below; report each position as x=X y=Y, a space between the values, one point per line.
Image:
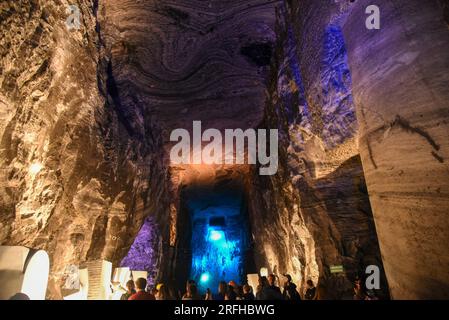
x=236 y=146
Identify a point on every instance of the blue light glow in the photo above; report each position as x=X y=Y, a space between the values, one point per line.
x=217 y=255
x=204 y=277
x=216 y=235
x=296 y=72
x=219 y=236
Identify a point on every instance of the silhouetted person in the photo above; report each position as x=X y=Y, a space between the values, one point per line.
x=208 y=295
x=290 y=292
x=231 y=293
x=19 y=296
x=192 y=293
x=130 y=290
x=271 y=292
x=239 y=292
x=359 y=293
x=222 y=288
x=311 y=293
x=141 y=294
x=163 y=293
x=263 y=283
x=248 y=293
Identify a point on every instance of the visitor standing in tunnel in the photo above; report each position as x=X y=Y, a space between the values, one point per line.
x=311 y=291
x=141 y=293
x=263 y=282
x=164 y=292
x=248 y=294
x=222 y=287
x=192 y=293
x=270 y=291
x=290 y=292
x=231 y=293
x=130 y=290
x=208 y=295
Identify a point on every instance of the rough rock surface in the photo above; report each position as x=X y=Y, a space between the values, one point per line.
x=401 y=101
x=315 y=212
x=73 y=180
x=85 y=117
x=190 y=60
x=180 y=61
x=402 y=98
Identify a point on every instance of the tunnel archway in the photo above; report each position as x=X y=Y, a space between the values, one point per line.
x=216 y=238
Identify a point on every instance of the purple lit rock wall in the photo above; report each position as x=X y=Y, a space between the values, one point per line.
x=400 y=87
x=144 y=252
x=338 y=110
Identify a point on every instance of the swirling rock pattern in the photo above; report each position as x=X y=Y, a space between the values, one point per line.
x=191 y=60
x=174 y=62
x=315 y=212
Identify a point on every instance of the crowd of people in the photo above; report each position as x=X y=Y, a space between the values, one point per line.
x=266 y=290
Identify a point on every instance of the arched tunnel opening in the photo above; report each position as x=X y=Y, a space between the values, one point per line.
x=215 y=236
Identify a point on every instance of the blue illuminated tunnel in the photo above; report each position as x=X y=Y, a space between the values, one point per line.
x=219 y=237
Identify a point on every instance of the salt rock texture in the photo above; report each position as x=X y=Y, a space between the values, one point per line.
x=85 y=117
x=73 y=178
x=144 y=253
x=402 y=98
x=315 y=213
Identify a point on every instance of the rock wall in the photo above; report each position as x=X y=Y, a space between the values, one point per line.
x=74 y=179
x=85 y=116
x=315 y=213
x=190 y=60
x=401 y=81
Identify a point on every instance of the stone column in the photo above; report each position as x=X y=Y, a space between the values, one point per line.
x=400 y=79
